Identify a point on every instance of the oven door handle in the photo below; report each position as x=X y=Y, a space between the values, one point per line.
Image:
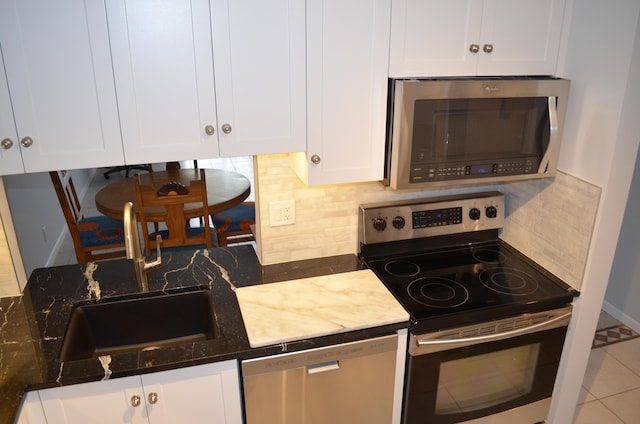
x=551 y=323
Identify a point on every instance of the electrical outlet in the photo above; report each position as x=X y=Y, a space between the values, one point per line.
x=282 y=213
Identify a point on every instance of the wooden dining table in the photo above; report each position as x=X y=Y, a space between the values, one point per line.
x=225 y=189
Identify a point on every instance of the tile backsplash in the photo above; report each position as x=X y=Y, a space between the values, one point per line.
x=551 y=221
x=541 y=221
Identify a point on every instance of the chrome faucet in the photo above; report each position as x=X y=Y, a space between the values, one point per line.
x=133 y=247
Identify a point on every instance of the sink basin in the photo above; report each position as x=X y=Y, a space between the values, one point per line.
x=138 y=322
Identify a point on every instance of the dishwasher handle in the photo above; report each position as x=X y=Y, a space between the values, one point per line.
x=323 y=367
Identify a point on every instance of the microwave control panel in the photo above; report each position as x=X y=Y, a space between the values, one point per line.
x=456 y=171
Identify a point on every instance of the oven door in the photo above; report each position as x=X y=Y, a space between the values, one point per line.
x=503 y=369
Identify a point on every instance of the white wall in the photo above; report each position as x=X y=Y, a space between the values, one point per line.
x=37 y=217
x=622 y=299
x=602 y=59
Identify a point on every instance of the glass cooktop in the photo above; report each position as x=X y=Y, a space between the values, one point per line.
x=464 y=285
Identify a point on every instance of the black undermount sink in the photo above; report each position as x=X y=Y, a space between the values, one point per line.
x=139 y=322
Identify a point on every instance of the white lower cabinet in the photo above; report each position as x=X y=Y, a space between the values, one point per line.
x=206 y=393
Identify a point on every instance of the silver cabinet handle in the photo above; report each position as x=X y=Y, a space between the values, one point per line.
x=474 y=48
x=487 y=48
x=7 y=143
x=135 y=401
x=153 y=398
x=210 y=130
x=26 y=142
x=315 y=159
x=226 y=128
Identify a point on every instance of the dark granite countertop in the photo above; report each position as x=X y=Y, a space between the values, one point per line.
x=32 y=326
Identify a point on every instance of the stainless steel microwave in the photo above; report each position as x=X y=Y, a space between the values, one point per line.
x=445 y=132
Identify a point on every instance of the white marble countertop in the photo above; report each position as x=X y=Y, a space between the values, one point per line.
x=318 y=306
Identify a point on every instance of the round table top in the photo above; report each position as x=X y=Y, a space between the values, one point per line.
x=225 y=189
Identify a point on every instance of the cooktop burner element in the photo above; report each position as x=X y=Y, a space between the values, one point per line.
x=488 y=256
x=509 y=281
x=446 y=273
x=438 y=292
x=402 y=268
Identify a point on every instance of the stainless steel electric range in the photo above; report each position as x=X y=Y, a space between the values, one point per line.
x=487 y=323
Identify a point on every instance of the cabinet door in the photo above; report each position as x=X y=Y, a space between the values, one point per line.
x=10 y=157
x=259 y=54
x=58 y=69
x=347 y=71
x=434 y=37
x=31 y=410
x=107 y=402
x=207 y=393
x=163 y=70
x=525 y=36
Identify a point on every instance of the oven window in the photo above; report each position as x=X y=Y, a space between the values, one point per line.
x=482 y=381
x=467 y=130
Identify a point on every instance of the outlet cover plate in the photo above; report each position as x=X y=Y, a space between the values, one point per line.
x=282 y=212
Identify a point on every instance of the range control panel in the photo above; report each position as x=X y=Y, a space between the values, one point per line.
x=403 y=220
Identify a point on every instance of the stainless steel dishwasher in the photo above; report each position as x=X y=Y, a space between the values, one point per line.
x=349 y=383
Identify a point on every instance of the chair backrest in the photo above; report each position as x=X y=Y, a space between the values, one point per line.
x=66 y=191
x=172 y=197
x=88 y=246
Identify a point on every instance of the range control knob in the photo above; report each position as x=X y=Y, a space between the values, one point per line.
x=491 y=212
x=474 y=214
x=398 y=222
x=379 y=224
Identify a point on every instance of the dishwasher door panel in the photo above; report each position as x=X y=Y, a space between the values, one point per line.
x=351 y=383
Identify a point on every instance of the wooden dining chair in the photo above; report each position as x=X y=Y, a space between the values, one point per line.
x=172 y=197
x=234 y=225
x=95 y=237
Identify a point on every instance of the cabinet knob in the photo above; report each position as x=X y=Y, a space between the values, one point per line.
x=153 y=398
x=7 y=143
x=210 y=130
x=26 y=142
x=226 y=128
x=135 y=401
x=474 y=48
x=487 y=48
x=315 y=159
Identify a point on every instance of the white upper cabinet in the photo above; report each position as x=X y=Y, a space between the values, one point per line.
x=58 y=89
x=259 y=56
x=347 y=72
x=163 y=69
x=475 y=37
x=10 y=155
x=197 y=79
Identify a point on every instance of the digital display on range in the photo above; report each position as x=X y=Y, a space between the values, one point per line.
x=437 y=217
x=481 y=169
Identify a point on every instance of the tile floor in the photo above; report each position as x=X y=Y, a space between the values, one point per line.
x=242 y=165
x=611 y=387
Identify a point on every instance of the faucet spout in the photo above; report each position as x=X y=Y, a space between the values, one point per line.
x=133 y=247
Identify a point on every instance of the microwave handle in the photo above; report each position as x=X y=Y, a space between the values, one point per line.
x=554 y=137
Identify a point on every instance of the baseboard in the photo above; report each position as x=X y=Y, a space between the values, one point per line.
x=621 y=316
